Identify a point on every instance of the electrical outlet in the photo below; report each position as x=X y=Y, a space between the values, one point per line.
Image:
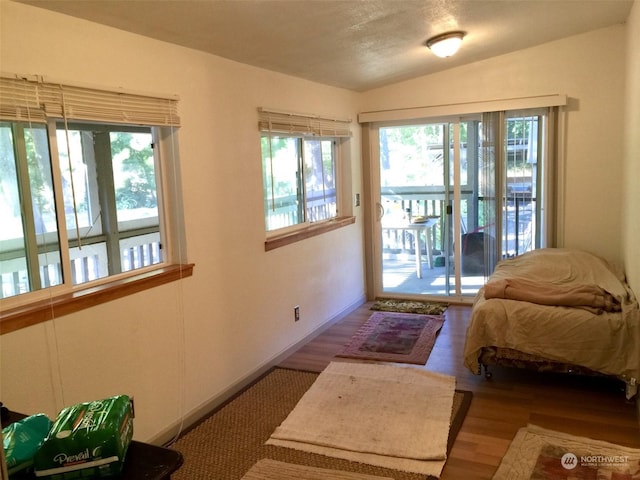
x=357 y=200
x=296 y=313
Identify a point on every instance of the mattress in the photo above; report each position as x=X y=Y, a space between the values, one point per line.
x=606 y=342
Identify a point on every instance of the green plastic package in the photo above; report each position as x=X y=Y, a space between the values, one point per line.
x=87 y=440
x=22 y=439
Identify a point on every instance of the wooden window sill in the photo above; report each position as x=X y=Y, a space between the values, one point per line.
x=311 y=231
x=57 y=306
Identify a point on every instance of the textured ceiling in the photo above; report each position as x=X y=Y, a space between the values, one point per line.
x=355 y=44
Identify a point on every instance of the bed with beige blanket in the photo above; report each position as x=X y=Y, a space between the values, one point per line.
x=560 y=310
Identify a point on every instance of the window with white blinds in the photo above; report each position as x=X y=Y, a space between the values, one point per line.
x=300 y=165
x=278 y=122
x=81 y=199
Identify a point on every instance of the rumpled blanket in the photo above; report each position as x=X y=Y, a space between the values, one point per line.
x=608 y=343
x=588 y=297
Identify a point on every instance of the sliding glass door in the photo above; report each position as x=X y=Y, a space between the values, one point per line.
x=411 y=205
x=430 y=226
x=454 y=197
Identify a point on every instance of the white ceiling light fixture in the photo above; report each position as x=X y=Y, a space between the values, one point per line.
x=445 y=45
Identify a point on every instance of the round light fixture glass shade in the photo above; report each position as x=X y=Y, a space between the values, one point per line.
x=445 y=45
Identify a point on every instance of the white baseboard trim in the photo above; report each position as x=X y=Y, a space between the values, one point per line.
x=171 y=433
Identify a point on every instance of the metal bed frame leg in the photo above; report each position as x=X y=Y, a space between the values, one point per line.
x=487 y=373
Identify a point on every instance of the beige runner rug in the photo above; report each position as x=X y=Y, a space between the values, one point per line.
x=226 y=444
x=267 y=469
x=396 y=417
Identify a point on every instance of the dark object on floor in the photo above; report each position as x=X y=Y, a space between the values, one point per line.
x=474 y=258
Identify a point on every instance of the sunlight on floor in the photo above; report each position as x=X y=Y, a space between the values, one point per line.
x=401 y=277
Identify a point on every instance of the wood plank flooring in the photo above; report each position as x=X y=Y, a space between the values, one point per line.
x=513 y=398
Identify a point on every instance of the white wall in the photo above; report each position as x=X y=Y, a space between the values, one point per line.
x=589 y=68
x=631 y=169
x=178 y=346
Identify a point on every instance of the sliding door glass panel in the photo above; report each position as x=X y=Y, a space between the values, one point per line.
x=521 y=190
x=412 y=204
x=474 y=236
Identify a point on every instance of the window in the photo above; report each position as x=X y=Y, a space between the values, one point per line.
x=81 y=196
x=110 y=200
x=300 y=157
x=30 y=252
x=299 y=181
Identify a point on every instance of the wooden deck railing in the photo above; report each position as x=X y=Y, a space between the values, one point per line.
x=87 y=264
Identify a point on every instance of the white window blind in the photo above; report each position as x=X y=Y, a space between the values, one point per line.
x=274 y=121
x=19 y=101
x=23 y=99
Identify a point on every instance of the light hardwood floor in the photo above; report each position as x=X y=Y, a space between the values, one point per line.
x=513 y=398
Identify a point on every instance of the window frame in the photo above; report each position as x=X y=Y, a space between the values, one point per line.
x=275 y=122
x=104 y=197
x=301 y=184
x=66 y=244
x=32 y=101
x=344 y=209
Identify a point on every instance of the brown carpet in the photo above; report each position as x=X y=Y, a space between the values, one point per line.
x=267 y=469
x=395 y=337
x=228 y=443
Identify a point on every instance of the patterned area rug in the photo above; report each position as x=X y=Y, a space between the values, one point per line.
x=395 y=337
x=540 y=454
x=409 y=306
